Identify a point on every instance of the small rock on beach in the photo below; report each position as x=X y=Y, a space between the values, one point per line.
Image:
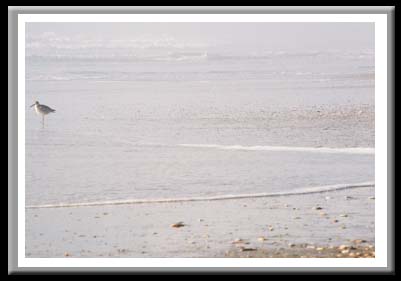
x=178 y=224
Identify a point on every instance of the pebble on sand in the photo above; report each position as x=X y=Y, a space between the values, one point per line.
x=262 y=238
x=317 y=208
x=66 y=254
x=244 y=249
x=178 y=224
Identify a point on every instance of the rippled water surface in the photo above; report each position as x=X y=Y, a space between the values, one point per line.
x=186 y=122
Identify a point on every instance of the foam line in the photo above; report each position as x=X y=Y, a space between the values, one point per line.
x=345 y=150
x=306 y=190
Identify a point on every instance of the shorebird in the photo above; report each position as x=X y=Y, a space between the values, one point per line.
x=42 y=110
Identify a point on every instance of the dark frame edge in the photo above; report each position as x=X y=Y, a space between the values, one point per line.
x=13 y=12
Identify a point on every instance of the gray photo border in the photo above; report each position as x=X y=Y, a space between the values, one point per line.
x=14 y=11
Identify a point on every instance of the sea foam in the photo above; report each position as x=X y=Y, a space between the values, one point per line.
x=345 y=150
x=300 y=191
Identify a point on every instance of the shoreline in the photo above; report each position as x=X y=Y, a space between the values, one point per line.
x=308 y=225
x=299 y=191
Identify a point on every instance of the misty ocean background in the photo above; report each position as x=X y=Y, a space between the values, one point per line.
x=145 y=118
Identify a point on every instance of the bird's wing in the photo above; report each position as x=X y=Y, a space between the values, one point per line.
x=45 y=107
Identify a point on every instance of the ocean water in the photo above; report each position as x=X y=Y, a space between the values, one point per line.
x=164 y=123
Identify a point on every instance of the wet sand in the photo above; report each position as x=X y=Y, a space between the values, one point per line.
x=329 y=224
x=354 y=249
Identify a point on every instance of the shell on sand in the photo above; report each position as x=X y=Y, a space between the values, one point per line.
x=239 y=241
x=358 y=241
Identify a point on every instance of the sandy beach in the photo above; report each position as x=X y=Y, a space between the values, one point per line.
x=329 y=224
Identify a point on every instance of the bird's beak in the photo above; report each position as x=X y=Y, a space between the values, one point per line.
x=32 y=105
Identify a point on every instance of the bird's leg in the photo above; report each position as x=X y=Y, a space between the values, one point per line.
x=43 y=121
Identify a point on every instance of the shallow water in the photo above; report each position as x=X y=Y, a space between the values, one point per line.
x=185 y=125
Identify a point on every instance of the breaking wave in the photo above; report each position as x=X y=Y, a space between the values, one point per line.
x=300 y=191
x=345 y=150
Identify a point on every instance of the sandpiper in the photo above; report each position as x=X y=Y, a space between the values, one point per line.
x=42 y=110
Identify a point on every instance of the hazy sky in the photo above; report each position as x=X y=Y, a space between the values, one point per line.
x=252 y=36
